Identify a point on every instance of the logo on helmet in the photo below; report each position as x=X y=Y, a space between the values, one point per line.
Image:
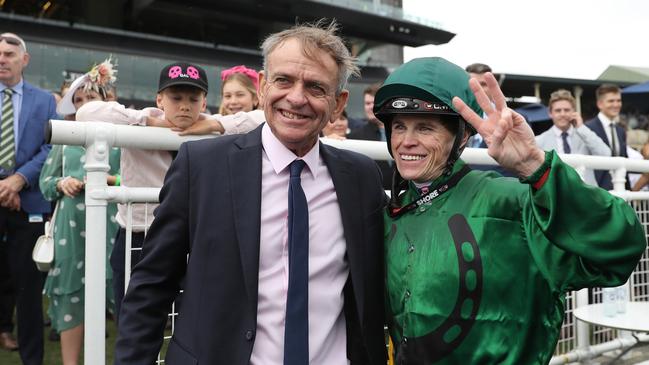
x=399 y=104
x=436 y=106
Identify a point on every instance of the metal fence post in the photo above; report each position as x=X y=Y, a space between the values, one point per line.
x=97 y=167
x=583 y=328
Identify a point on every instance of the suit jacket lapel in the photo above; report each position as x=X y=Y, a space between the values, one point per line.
x=599 y=130
x=347 y=191
x=25 y=111
x=244 y=171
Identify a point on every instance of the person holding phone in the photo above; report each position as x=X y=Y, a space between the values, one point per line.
x=569 y=133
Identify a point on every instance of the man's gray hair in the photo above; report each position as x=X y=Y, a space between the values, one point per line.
x=23 y=46
x=318 y=36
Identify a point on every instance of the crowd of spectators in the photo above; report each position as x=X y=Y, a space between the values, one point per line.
x=25 y=157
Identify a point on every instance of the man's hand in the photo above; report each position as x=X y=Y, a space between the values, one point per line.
x=12 y=203
x=576 y=120
x=9 y=187
x=509 y=138
x=205 y=124
x=70 y=186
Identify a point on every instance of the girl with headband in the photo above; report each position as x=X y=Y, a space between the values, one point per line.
x=239 y=90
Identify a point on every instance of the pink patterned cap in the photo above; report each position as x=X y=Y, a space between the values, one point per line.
x=181 y=73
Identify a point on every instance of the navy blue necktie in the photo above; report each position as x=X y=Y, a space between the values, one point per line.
x=296 y=332
x=614 y=151
x=566 y=146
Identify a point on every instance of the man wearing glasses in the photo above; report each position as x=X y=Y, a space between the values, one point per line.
x=25 y=110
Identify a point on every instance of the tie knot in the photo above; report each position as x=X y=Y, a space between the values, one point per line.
x=8 y=92
x=296 y=167
x=564 y=135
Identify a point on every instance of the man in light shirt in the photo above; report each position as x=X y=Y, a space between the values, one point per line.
x=276 y=239
x=569 y=134
x=606 y=126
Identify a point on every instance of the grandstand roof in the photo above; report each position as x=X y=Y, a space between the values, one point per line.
x=625 y=73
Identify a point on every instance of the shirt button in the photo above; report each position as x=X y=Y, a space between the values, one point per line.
x=422 y=209
x=248 y=335
x=407 y=294
x=411 y=249
x=404 y=340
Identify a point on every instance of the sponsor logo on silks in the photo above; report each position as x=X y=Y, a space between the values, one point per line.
x=428 y=197
x=399 y=104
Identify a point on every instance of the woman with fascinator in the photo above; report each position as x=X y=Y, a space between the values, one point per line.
x=62 y=180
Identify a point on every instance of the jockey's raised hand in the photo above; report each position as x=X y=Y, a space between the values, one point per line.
x=509 y=138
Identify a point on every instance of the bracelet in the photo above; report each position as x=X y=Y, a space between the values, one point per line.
x=118 y=180
x=60 y=180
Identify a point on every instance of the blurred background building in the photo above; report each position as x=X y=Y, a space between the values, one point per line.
x=65 y=37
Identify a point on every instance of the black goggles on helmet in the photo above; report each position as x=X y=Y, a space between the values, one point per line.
x=402 y=105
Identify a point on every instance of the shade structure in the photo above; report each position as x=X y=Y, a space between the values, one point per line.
x=537 y=116
x=636 y=97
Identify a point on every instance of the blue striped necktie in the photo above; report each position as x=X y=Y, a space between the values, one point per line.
x=7 y=142
x=296 y=332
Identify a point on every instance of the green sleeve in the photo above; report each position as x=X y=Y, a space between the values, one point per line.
x=113 y=160
x=52 y=173
x=580 y=235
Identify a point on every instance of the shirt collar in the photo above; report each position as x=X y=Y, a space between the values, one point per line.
x=605 y=121
x=18 y=88
x=557 y=132
x=280 y=156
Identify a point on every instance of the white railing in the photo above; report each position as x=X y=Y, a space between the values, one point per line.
x=575 y=342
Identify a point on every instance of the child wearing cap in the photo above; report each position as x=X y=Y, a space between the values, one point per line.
x=181 y=100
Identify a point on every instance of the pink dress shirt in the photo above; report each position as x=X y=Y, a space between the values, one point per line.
x=328 y=268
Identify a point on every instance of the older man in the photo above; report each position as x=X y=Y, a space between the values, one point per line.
x=25 y=110
x=284 y=234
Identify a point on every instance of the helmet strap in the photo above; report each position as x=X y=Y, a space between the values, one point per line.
x=457 y=148
x=398 y=185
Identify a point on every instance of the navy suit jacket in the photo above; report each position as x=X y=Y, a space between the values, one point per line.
x=370 y=132
x=38 y=107
x=210 y=207
x=603 y=177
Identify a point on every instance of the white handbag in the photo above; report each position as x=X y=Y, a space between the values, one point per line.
x=43 y=253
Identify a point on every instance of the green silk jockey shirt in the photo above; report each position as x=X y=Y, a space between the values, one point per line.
x=479 y=274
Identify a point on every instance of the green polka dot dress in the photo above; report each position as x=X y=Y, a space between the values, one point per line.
x=65 y=280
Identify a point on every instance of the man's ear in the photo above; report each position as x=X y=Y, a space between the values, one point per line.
x=261 y=93
x=341 y=103
x=26 y=59
x=158 y=100
x=467 y=135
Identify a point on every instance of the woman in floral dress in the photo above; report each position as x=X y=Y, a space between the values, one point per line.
x=62 y=179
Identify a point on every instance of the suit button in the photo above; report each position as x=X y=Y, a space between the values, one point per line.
x=248 y=335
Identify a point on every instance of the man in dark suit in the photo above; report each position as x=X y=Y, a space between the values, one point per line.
x=284 y=234
x=372 y=130
x=25 y=111
x=606 y=126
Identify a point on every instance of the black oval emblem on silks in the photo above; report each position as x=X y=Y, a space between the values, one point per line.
x=432 y=347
